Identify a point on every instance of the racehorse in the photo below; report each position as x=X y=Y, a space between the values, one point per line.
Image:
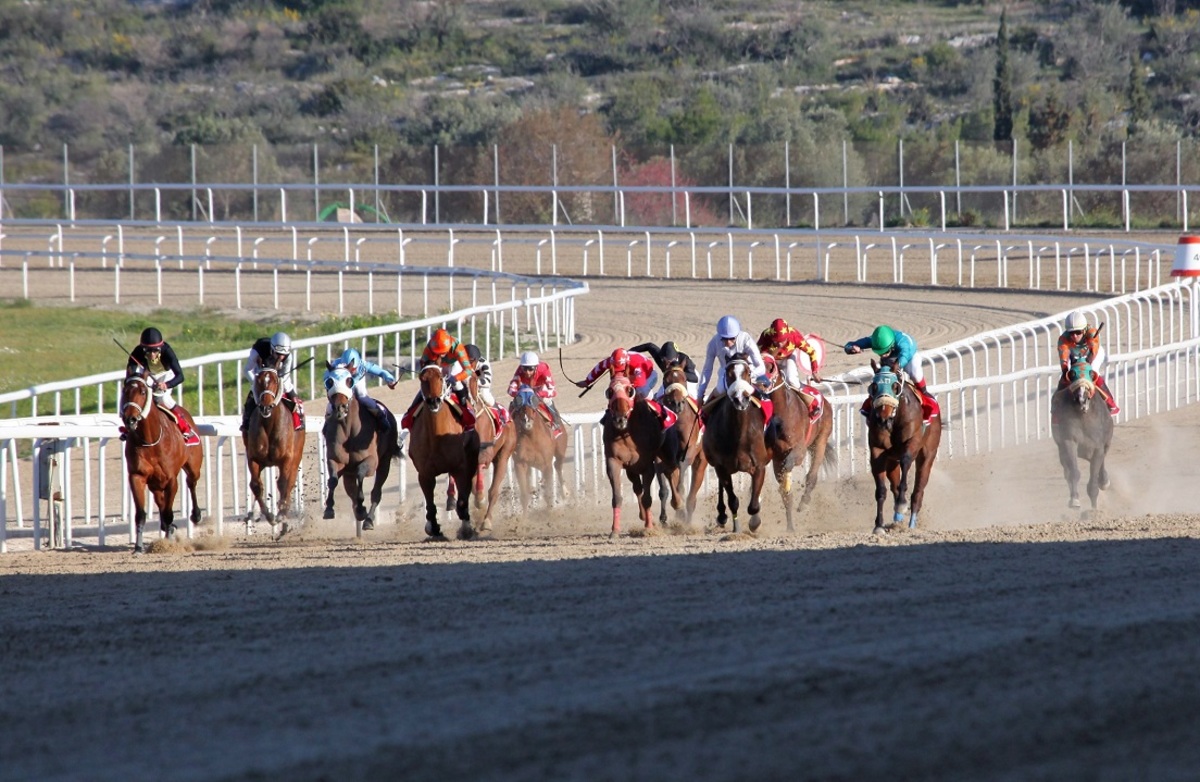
x=689 y=448
x=900 y=443
x=155 y=452
x=495 y=449
x=271 y=440
x=632 y=438
x=794 y=434
x=537 y=448
x=1081 y=430
x=437 y=445
x=734 y=441
x=354 y=449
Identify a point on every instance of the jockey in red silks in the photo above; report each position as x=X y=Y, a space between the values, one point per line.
x=535 y=374
x=1078 y=337
x=641 y=373
x=791 y=350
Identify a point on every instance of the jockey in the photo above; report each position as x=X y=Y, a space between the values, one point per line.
x=483 y=374
x=1078 y=337
x=891 y=343
x=158 y=359
x=641 y=374
x=272 y=353
x=790 y=350
x=728 y=340
x=448 y=353
x=360 y=369
x=667 y=356
x=535 y=373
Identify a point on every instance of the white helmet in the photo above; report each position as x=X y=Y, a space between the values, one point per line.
x=728 y=327
x=1076 y=321
x=281 y=343
x=529 y=359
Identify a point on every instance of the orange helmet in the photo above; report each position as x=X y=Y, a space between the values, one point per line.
x=619 y=359
x=441 y=342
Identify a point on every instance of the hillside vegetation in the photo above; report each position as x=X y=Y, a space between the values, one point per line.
x=394 y=78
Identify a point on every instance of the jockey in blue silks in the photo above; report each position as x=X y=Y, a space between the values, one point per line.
x=360 y=369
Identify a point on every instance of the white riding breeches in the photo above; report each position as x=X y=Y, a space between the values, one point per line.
x=485 y=396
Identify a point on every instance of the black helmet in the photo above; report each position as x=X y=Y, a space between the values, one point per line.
x=473 y=353
x=668 y=353
x=152 y=338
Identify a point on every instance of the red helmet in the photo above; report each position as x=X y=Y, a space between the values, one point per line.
x=779 y=326
x=441 y=342
x=619 y=359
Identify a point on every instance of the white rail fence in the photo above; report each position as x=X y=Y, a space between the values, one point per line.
x=286 y=262
x=994 y=387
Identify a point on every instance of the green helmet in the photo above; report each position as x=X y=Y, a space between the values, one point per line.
x=883 y=339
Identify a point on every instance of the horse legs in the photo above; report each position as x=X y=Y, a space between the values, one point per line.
x=756 y=484
x=523 y=474
x=191 y=470
x=256 y=489
x=1096 y=476
x=354 y=490
x=330 y=486
x=137 y=487
x=381 y=475
x=666 y=489
x=880 y=472
x=165 y=499
x=1070 y=465
x=924 y=466
x=698 y=467
x=783 y=477
x=646 y=498
x=428 y=483
x=901 y=489
x=463 y=506
x=612 y=468
x=478 y=488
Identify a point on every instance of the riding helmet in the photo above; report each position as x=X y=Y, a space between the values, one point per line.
x=619 y=358
x=883 y=339
x=441 y=342
x=281 y=343
x=473 y=353
x=728 y=327
x=1076 y=321
x=351 y=357
x=668 y=353
x=529 y=359
x=152 y=338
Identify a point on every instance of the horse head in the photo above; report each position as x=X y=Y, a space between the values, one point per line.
x=621 y=397
x=885 y=391
x=1081 y=379
x=675 y=387
x=739 y=381
x=137 y=398
x=434 y=388
x=772 y=368
x=339 y=387
x=267 y=388
x=524 y=408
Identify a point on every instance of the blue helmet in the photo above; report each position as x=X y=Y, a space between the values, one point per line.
x=351 y=356
x=728 y=327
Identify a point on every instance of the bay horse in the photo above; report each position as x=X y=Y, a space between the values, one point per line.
x=496 y=446
x=689 y=450
x=632 y=438
x=536 y=448
x=795 y=435
x=272 y=440
x=437 y=445
x=354 y=449
x=1081 y=430
x=734 y=441
x=155 y=452
x=900 y=444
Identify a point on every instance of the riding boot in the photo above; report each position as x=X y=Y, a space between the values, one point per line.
x=406 y=421
x=1107 y=394
x=929 y=405
x=382 y=418
x=247 y=410
x=865 y=410
x=297 y=410
x=189 y=435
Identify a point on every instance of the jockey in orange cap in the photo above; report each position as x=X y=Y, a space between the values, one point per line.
x=451 y=355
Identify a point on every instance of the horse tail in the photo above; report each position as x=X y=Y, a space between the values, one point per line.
x=830 y=465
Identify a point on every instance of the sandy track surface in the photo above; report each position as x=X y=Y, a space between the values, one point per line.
x=1006 y=639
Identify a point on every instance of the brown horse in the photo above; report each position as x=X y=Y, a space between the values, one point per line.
x=537 y=448
x=155 y=452
x=900 y=443
x=734 y=441
x=495 y=449
x=272 y=440
x=1081 y=430
x=632 y=438
x=689 y=447
x=437 y=445
x=354 y=449
x=795 y=435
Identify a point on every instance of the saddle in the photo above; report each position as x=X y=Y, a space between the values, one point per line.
x=189 y=435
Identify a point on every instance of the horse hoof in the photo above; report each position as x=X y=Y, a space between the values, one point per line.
x=755 y=523
x=139 y=549
x=368 y=525
x=1073 y=504
x=328 y=514
x=880 y=531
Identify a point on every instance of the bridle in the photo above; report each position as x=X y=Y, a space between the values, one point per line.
x=271 y=391
x=143 y=410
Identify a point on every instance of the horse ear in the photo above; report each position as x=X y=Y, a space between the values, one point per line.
x=328 y=366
x=871 y=390
x=897 y=389
x=608 y=393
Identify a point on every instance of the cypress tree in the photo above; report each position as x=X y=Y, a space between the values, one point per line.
x=1002 y=100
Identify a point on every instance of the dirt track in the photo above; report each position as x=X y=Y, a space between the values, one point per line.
x=1005 y=640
